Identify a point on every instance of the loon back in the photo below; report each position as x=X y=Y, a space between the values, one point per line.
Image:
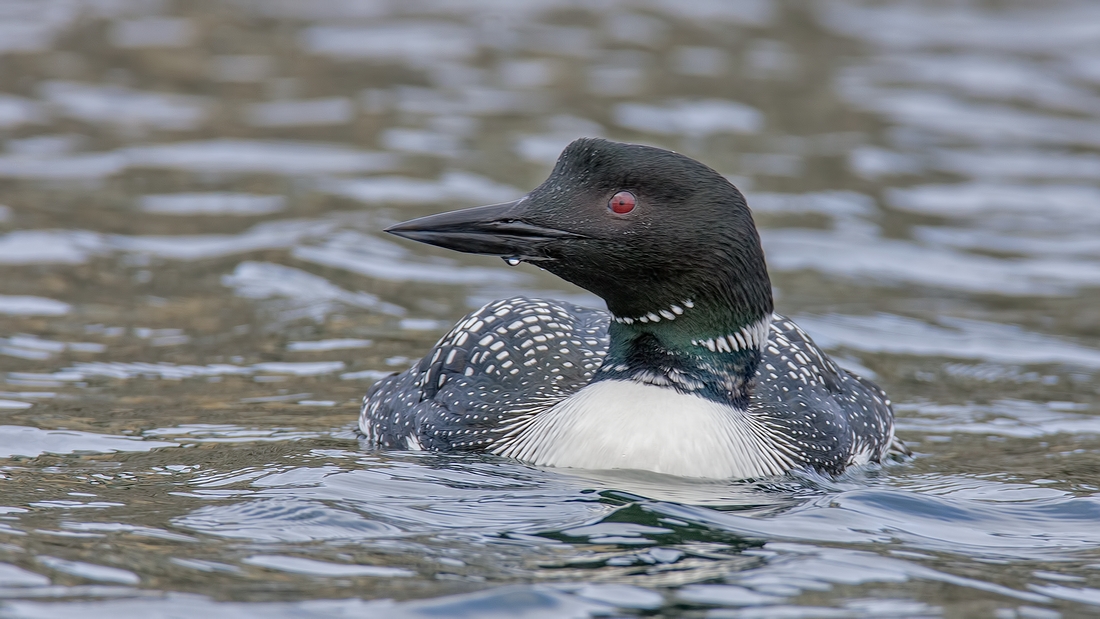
x=497 y=367
x=689 y=372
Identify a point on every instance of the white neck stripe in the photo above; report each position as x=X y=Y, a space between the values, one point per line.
x=750 y=336
x=670 y=313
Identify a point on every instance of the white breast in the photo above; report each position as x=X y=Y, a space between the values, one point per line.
x=615 y=424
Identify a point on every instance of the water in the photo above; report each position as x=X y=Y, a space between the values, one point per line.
x=196 y=293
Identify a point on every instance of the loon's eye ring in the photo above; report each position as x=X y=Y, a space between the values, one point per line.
x=622 y=202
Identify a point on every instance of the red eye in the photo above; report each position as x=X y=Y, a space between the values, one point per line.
x=622 y=202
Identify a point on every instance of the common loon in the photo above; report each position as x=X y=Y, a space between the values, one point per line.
x=689 y=373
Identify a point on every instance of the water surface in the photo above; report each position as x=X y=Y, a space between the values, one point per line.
x=196 y=294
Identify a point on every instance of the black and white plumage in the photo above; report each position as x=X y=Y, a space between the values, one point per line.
x=689 y=372
x=497 y=367
x=504 y=364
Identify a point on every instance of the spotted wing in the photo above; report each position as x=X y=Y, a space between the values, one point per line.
x=822 y=413
x=498 y=366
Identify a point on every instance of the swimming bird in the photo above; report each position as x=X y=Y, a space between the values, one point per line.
x=689 y=372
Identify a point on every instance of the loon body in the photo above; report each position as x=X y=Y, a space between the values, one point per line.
x=689 y=373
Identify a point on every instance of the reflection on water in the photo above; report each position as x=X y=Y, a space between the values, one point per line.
x=196 y=294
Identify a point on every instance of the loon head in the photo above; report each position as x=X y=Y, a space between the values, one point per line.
x=666 y=241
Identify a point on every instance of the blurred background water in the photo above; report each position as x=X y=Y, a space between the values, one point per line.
x=195 y=294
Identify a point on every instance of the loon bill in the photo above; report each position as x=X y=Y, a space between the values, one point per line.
x=688 y=373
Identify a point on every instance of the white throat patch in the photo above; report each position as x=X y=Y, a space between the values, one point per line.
x=613 y=424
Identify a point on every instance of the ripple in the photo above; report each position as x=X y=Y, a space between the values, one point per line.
x=457 y=496
x=227 y=433
x=1076 y=203
x=24 y=305
x=12 y=576
x=693 y=118
x=169 y=371
x=213 y=156
x=91 y=571
x=968 y=527
x=868 y=259
x=259 y=156
x=905 y=26
x=30 y=442
x=373 y=257
x=529 y=602
x=97 y=103
x=1015 y=418
x=152 y=32
x=323 y=345
x=211 y=203
x=282 y=520
x=954 y=337
x=310 y=567
x=460 y=186
x=15 y=111
x=414 y=42
x=310 y=295
x=301 y=113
